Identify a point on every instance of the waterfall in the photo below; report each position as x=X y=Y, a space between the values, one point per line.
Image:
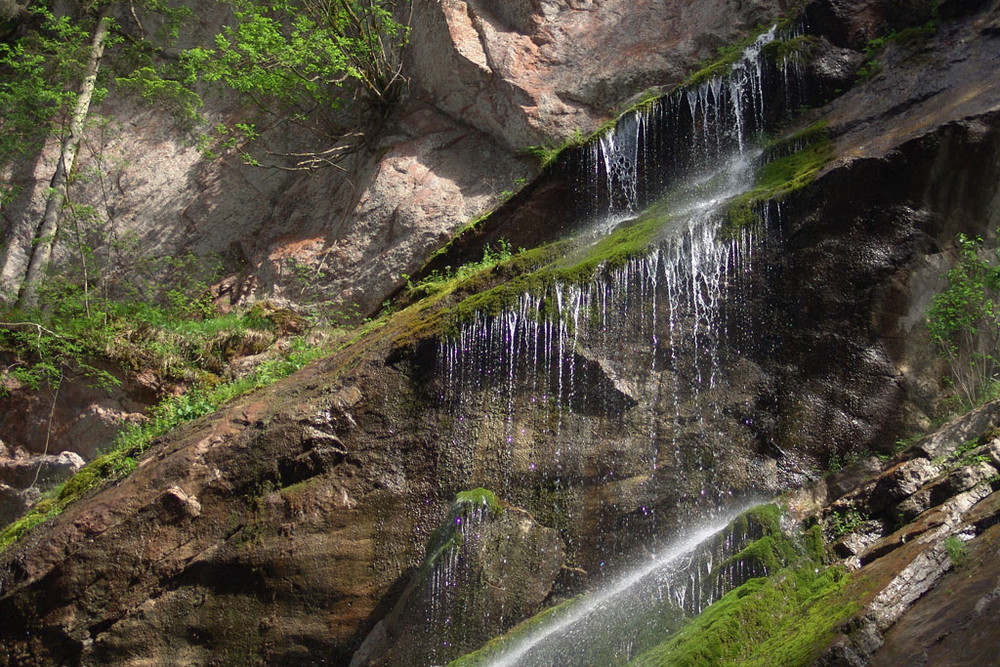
x=644 y=348
x=693 y=130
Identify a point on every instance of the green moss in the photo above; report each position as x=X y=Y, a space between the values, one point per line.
x=781 y=49
x=795 y=162
x=723 y=60
x=739 y=216
x=815 y=544
x=547 y=154
x=479 y=498
x=786 y=619
x=767 y=517
x=764 y=556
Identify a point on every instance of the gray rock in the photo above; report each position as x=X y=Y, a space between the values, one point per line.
x=948 y=438
x=44 y=471
x=900 y=482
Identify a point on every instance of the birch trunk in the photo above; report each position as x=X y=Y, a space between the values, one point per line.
x=48 y=228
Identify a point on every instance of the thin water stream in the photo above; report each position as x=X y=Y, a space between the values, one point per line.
x=643 y=348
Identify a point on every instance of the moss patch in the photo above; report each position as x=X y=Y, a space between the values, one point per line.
x=479 y=498
x=781 y=49
x=791 y=164
x=787 y=619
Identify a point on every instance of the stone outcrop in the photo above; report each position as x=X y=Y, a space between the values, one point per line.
x=486 y=567
x=926 y=536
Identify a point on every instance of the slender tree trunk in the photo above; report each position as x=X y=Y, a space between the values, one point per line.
x=49 y=225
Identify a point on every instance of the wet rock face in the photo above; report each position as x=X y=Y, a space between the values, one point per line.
x=486 y=567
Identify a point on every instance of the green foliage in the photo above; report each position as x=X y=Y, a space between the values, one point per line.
x=912 y=37
x=307 y=60
x=547 y=154
x=38 y=76
x=439 y=281
x=963 y=320
x=133 y=440
x=151 y=86
x=957 y=551
x=967 y=454
x=841 y=522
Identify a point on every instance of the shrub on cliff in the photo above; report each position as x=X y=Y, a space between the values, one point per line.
x=964 y=320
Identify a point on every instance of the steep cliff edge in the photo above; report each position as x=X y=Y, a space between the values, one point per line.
x=308 y=506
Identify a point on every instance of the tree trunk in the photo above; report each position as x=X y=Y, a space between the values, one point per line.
x=49 y=225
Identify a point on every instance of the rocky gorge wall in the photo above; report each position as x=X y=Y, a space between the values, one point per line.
x=307 y=507
x=484 y=82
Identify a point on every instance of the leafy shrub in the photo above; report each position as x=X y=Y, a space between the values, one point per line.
x=964 y=320
x=958 y=553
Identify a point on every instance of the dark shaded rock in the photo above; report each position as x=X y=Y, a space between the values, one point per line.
x=832 y=69
x=850 y=478
x=15 y=502
x=952 y=9
x=841 y=654
x=847 y=23
x=179 y=505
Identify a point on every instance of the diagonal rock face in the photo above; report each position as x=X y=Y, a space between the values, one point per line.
x=485 y=81
x=282 y=529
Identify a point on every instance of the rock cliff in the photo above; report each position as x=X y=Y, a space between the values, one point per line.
x=286 y=527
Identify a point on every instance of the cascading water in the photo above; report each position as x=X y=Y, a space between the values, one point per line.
x=640 y=607
x=641 y=353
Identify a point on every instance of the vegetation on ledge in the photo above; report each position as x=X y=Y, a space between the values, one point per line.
x=788 y=618
x=790 y=164
x=120 y=459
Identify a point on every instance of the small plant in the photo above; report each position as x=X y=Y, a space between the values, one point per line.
x=958 y=553
x=965 y=455
x=438 y=280
x=843 y=522
x=548 y=154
